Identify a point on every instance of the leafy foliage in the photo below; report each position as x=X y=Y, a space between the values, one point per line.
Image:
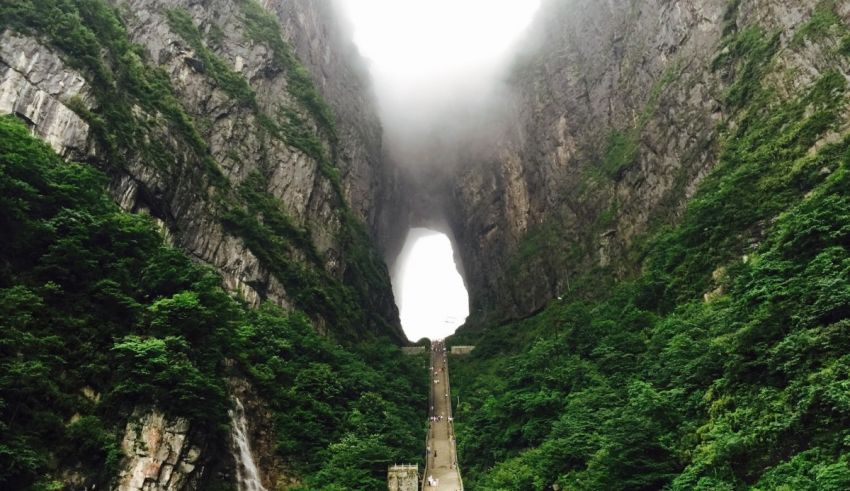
x=724 y=364
x=92 y=37
x=309 y=381
x=77 y=277
x=98 y=316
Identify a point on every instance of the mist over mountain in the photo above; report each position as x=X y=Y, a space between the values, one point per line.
x=202 y=204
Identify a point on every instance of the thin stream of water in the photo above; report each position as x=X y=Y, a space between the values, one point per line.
x=247 y=475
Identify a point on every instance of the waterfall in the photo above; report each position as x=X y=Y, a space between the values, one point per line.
x=247 y=475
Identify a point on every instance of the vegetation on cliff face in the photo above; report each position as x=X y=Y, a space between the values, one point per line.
x=724 y=364
x=98 y=316
x=92 y=38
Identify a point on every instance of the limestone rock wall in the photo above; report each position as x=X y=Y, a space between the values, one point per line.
x=159 y=454
x=615 y=122
x=322 y=39
x=37 y=85
x=172 y=184
x=232 y=131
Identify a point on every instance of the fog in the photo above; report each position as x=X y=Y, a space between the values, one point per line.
x=437 y=68
x=439 y=71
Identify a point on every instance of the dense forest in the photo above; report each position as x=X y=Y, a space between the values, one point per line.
x=102 y=318
x=725 y=363
x=98 y=316
x=712 y=353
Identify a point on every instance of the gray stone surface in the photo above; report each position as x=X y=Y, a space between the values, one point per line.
x=158 y=453
x=403 y=478
x=592 y=68
x=323 y=42
x=36 y=85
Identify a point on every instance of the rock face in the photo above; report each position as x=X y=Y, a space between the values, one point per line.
x=36 y=85
x=159 y=454
x=615 y=122
x=236 y=160
x=403 y=478
x=323 y=42
x=589 y=84
x=234 y=140
x=262 y=127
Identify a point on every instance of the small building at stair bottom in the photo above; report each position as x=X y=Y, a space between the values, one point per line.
x=403 y=478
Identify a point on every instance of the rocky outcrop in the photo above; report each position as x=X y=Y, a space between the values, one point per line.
x=159 y=454
x=234 y=80
x=403 y=478
x=591 y=85
x=615 y=123
x=37 y=86
x=242 y=147
x=323 y=42
x=235 y=142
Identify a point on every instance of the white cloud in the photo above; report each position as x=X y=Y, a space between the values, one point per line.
x=426 y=55
x=410 y=38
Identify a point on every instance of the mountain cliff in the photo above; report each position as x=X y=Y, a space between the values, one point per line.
x=247 y=184
x=617 y=119
x=671 y=208
x=217 y=119
x=198 y=209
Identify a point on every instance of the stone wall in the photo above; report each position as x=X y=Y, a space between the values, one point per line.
x=403 y=478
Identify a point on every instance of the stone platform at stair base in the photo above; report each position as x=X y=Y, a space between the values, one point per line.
x=403 y=478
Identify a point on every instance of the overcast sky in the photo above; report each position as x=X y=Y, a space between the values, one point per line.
x=410 y=42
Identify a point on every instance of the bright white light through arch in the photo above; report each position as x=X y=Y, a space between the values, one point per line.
x=430 y=294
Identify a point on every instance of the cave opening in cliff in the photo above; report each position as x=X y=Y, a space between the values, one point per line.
x=428 y=286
